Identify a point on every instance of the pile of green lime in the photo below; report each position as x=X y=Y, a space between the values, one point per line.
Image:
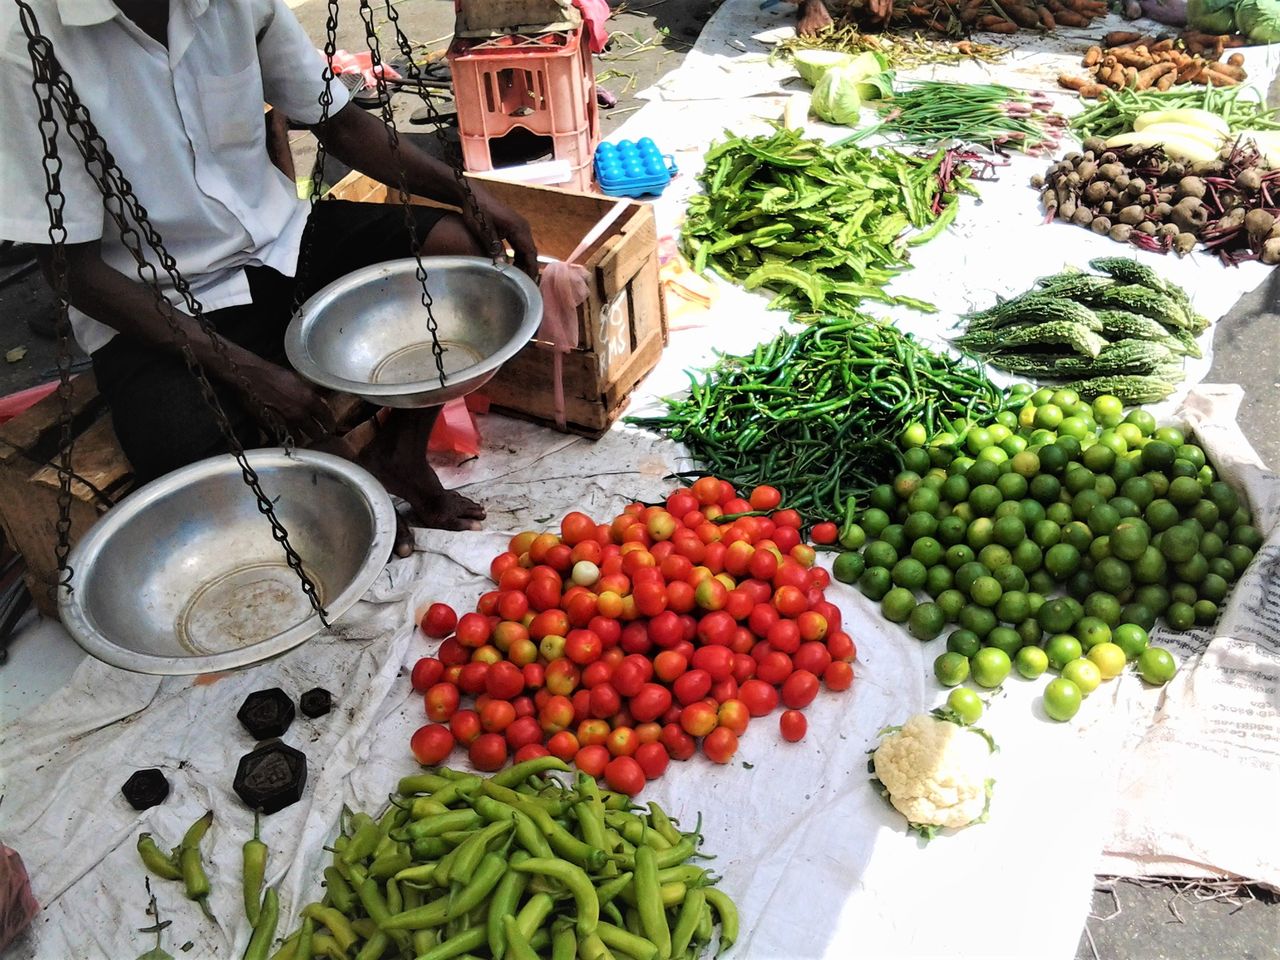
x=1062 y=497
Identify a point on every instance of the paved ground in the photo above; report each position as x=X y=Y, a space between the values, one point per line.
x=1129 y=921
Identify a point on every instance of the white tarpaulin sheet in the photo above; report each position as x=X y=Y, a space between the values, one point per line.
x=820 y=866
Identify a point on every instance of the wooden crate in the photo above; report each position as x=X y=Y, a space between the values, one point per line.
x=622 y=325
x=29 y=445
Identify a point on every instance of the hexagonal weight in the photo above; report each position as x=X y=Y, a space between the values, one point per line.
x=271 y=777
x=145 y=788
x=266 y=713
x=316 y=702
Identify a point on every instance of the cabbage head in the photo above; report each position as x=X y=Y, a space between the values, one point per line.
x=1259 y=20
x=1211 y=16
x=836 y=98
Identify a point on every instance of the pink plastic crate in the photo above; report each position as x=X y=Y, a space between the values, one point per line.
x=544 y=83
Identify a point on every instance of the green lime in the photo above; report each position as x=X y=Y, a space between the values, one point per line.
x=926 y=621
x=981 y=473
x=1107 y=410
x=1212 y=587
x=1112 y=575
x=1161 y=515
x=955 y=489
x=1105 y=487
x=1183 y=593
x=1127 y=509
x=993 y=556
x=1184 y=491
x=1074 y=426
x=1080 y=584
x=1205 y=512
x=1013 y=606
x=916 y=460
x=1193 y=570
x=990 y=667
x=1158 y=455
x=1084 y=502
x=1129 y=540
x=1053 y=459
x=1206 y=612
x=1154 y=597
x=999 y=432
x=1061 y=649
x=1157 y=665
x=1059 y=513
x=1221 y=566
x=980 y=533
x=1030 y=512
x=1030 y=632
x=1170 y=435
x=1142 y=420
x=1136 y=614
x=897 y=605
x=1222 y=529
x=965 y=704
x=1183 y=469
x=951 y=669
x=1071 y=445
x=1159 y=482
x=1078 y=535
x=951 y=530
x=1123 y=470
x=1048 y=416
x=1028 y=557
x=1099 y=458
x=919 y=524
x=1010 y=577
x=910 y=573
x=977 y=440
x=1130 y=638
x=1084 y=673
x=1102 y=519
x=964 y=642
x=906 y=483
x=1031 y=662
x=958 y=555
x=1012 y=485
x=1077 y=479
x=984 y=499
x=1044 y=488
x=1247 y=535
x=968 y=574
x=848 y=567
x=951 y=601
x=853 y=537
x=1025 y=464
x=1151 y=567
x=1192 y=453
x=1010 y=508
x=1138 y=489
x=914 y=435
x=1061 y=699
x=1224 y=498
x=937 y=579
x=1181 y=616
x=1046 y=533
x=1042 y=396
x=985 y=591
x=878 y=553
x=875 y=582
x=1240 y=557
x=1091 y=631
x=964 y=512
x=1062 y=560
x=977 y=619
x=924 y=499
x=1006 y=639
x=896 y=537
x=1065 y=398
x=1108 y=658
x=883 y=498
x=1057 y=616
x=959 y=467
x=874 y=521
x=1179 y=544
x=1041 y=582
x=1009 y=531
x=1102 y=606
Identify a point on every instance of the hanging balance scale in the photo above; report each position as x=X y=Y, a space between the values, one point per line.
x=183 y=576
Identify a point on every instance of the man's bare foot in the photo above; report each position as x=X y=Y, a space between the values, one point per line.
x=450 y=510
x=812 y=17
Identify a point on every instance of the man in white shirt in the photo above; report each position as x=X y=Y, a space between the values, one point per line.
x=175 y=88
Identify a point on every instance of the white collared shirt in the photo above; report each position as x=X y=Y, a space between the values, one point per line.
x=185 y=126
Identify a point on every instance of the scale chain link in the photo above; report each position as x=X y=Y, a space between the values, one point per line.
x=125 y=210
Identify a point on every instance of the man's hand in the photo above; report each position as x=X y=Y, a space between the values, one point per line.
x=880 y=10
x=812 y=17
x=508 y=225
x=297 y=402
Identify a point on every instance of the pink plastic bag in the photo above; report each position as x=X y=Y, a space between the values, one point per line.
x=346 y=62
x=595 y=13
x=455 y=430
x=17 y=905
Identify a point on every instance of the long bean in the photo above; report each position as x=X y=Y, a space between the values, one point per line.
x=822 y=421
x=1115 y=112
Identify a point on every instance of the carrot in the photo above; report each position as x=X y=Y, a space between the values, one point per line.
x=1069 y=18
x=1117 y=38
x=1092 y=56
x=1214 y=78
x=1162 y=45
x=1021 y=15
x=1130 y=76
x=1232 y=71
x=1165 y=82
x=1236 y=60
x=1072 y=82
x=1153 y=73
x=1046 y=18
x=1190 y=71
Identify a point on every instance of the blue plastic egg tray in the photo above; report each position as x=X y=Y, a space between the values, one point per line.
x=633 y=169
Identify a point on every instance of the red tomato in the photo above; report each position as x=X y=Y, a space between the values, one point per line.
x=632 y=674
x=744 y=667
x=821 y=578
x=691 y=546
x=514 y=578
x=786 y=537
x=594 y=674
x=675 y=567
x=840 y=645
x=560 y=558
x=622 y=742
x=604 y=701
x=764 y=564
x=521 y=542
x=804 y=555
x=535 y=676
x=607 y=629
x=653 y=759
x=503 y=681
x=799 y=689
x=497 y=715
x=710 y=594
x=441 y=702
x=524 y=706
x=680 y=502
x=592 y=731
x=706 y=490
x=692 y=685
x=512 y=604
x=739 y=603
x=472 y=678
x=556 y=714
x=761 y=698
x=661 y=526
x=581 y=607
x=765 y=498
x=431 y=744
x=743 y=640
x=473 y=630
x=787 y=518
x=549 y=623
x=452 y=653
x=720 y=745
x=451 y=674
x=724 y=690
x=541 y=545
x=793 y=725
x=465 y=726
x=522 y=731
x=774 y=667
x=716 y=661
x=581 y=701
x=824 y=533
x=717 y=628
x=680 y=746
x=543 y=594
x=763 y=617
x=737 y=556
x=648 y=732
x=501 y=564
x=812 y=656
x=698 y=719
x=576 y=527
x=588 y=550
x=562 y=677
x=790 y=601
x=624 y=775
x=651 y=598
x=530 y=751
x=681 y=597
x=635 y=639
x=488 y=655
x=650 y=702
x=785 y=636
x=838 y=675
x=488 y=752
x=668 y=665
x=734 y=715
x=583 y=646
x=563 y=745
x=426 y=673
x=592 y=759
x=439 y=621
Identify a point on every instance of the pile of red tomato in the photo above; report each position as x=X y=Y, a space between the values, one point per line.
x=619 y=646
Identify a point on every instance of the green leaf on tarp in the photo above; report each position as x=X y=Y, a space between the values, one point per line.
x=16 y=354
x=156 y=953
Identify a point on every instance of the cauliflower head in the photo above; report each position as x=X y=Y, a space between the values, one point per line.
x=936 y=772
